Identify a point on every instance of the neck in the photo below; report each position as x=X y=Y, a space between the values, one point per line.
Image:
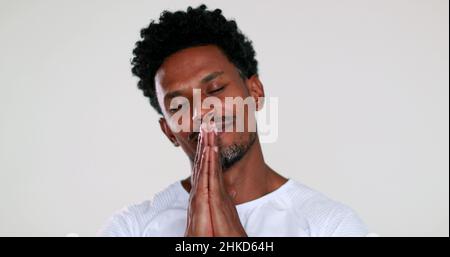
x=250 y=177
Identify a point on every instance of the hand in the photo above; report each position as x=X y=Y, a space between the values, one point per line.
x=225 y=219
x=211 y=210
x=199 y=221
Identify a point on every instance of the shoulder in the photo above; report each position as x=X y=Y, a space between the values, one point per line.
x=326 y=217
x=130 y=220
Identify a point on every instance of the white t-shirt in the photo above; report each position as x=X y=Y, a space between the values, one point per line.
x=291 y=210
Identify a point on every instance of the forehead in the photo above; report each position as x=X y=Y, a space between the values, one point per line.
x=186 y=67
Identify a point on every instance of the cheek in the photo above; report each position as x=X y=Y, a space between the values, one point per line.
x=185 y=143
x=189 y=149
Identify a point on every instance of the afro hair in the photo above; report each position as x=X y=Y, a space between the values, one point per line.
x=183 y=29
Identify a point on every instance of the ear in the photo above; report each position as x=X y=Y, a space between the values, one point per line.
x=167 y=131
x=256 y=90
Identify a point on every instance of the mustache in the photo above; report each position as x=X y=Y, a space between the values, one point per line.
x=193 y=136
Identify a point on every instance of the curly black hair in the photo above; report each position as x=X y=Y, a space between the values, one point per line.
x=183 y=29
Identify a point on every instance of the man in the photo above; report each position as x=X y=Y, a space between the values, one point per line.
x=231 y=190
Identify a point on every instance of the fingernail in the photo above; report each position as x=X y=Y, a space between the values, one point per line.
x=216 y=149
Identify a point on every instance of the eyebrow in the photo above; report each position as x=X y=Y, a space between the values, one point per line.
x=211 y=76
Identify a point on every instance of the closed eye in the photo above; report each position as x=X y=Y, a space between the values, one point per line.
x=216 y=90
x=179 y=106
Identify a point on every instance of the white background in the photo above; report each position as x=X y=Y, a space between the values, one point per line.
x=363 y=91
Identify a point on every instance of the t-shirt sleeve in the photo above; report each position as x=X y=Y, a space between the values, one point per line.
x=135 y=220
x=344 y=222
x=124 y=223
x=116 y=226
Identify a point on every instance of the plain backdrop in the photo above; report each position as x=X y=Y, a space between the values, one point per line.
x=363 y=88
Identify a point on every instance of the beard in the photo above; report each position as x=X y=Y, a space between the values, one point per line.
x=233 y=153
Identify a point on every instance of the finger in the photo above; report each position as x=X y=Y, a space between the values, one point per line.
x=201 y=162
x=201 y=143
x=204 y=142
x=204 y=132
x=214 y=167
x=203 y=172
x=198 y=150
x=213 y=142
x=211 y=135
x=197 y=159
x=217 y=171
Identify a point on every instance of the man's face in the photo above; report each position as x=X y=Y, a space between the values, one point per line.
x=208 y=69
